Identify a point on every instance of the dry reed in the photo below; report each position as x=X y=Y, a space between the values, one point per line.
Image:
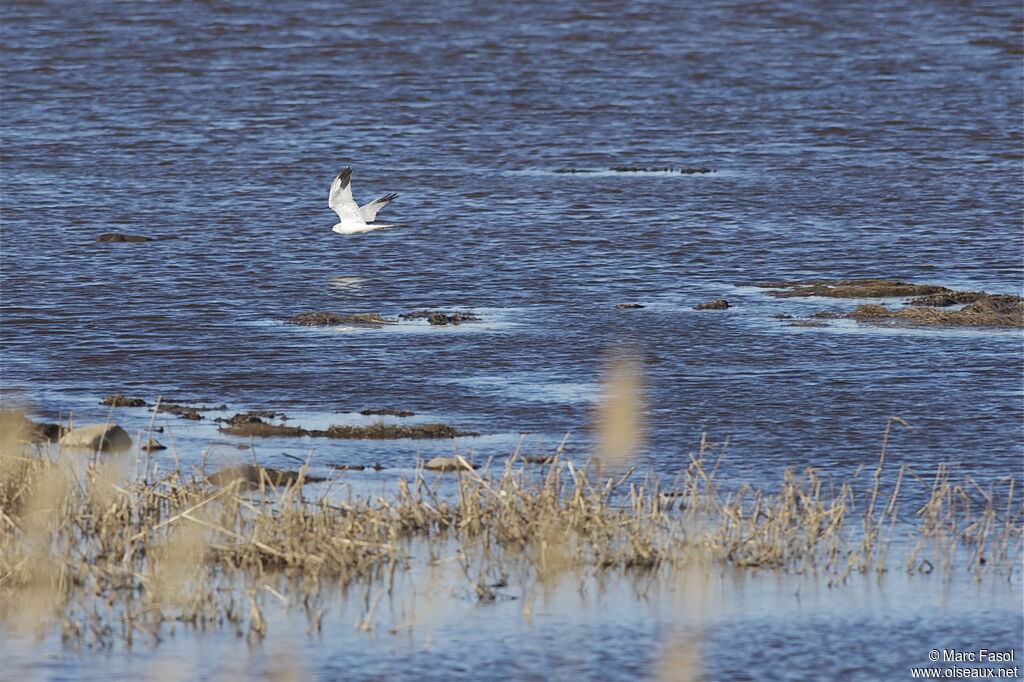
x=108 y=552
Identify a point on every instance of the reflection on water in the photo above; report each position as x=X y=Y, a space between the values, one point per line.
x=724 y=625
x=344 y=283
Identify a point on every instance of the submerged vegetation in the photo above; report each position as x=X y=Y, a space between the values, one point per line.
x=686 y=170
x=980 y=309
x=251 y=425
x=848 y=288
x=993 y=311
x=386 y=412
x=434 y=317
x=439 y=317
x=322 y=319
x=118 y=237
x=720 y=304
x=110 y=550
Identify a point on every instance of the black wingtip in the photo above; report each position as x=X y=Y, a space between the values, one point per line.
x=345 y=176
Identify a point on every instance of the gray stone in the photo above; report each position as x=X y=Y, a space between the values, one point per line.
x=450 y=464
x=97 y=438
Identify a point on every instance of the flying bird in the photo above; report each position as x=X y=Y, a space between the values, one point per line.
x=354 y=218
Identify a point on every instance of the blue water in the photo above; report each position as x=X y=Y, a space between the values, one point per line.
x=845 y=140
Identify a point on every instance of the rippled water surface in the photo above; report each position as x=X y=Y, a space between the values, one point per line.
x=845 y=140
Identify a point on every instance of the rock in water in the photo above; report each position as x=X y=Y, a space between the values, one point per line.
x=97 y=438
x=117 y=237
x=254 y=476
x=450 y=464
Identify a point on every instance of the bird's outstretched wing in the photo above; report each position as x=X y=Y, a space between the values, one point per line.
x=369 y=211
x=340 y=199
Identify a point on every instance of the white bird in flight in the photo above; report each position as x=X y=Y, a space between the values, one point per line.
x=354 y=218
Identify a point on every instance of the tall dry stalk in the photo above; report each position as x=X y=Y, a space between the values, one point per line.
x=620 y=417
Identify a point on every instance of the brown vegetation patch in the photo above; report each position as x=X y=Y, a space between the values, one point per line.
x=664 y=169
x=249 y=425
x=182 y=411
x=849 y=288
x=944 y=299
x=437 y=317
x=387 y=412
x=117 y=237
x=120 y=400
x=380 y=430
x=982 y=309
x=992 y=311
x=186 y=411
x=325 y=319
x=252 y=416
x=720 y=304
x=628 y=306
x=689 y=170
x=870 y=310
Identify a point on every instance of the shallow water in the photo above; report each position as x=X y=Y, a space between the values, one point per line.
x=732 y=625
x=846 y=141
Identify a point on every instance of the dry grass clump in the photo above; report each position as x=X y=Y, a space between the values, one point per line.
x=605 y=525
x=108 y=550
x=838 y=529
x=17 y=429
x=107 y=556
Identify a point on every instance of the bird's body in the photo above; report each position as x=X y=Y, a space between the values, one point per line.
x=353 y=217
